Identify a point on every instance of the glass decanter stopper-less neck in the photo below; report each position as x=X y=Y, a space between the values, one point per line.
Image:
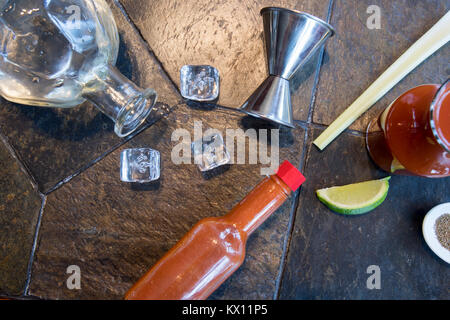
x=119 y=98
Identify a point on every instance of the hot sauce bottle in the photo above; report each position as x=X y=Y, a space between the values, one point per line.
x=215 y=247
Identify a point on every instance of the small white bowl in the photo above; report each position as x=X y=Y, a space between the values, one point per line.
x=429 y=231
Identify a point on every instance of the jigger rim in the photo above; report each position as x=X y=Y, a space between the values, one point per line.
x=300 y=13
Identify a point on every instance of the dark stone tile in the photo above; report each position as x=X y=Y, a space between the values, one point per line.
x=20 y=204
x=116 y=231
x=225 y=34
x=357 y=56
x=55 y=143
x=329 y=253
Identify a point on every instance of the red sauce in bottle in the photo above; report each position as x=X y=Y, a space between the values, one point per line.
x=215 y=247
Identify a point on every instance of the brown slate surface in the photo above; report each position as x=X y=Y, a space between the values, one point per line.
x=20 y=204
x=55 y=143
x=115 y=231
x=225 y=34
x=357 y=56
x=329 y=253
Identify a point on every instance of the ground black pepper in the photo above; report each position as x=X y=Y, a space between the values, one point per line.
x=442 y=228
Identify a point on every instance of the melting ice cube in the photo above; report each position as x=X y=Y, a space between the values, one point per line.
x=139 y=165
x=210 y=152
x=199 y=83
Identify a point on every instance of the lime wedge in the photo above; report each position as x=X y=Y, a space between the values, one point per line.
x=355 y=198
x=396 y=165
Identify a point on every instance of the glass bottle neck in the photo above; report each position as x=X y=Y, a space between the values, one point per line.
x=259 y=204
x=119 y=98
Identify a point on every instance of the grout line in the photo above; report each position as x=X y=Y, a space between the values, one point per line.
x=355 y=133
x=96 y=160
x=302 y=124
x=291 y=223
x=316 y=84
x=319 y=67
x=58 y=185
x=302 y=166
x=305 y=124
x=21 y=163
x=164 y=71
x=34 y=246
x=286 y=244
x=313 y=125
x=147 y=45
x=165 y=75
x=124 y=141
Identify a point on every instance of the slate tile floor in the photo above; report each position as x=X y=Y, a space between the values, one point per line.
x=61 y=201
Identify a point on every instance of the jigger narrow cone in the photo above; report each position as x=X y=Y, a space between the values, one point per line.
x=291 y=38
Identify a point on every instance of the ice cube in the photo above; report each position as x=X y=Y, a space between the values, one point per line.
x=210 y=152
x=139 y=165
x=199 y=83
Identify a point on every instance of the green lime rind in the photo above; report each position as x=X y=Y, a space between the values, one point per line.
x=357 y=210
x=353 y=211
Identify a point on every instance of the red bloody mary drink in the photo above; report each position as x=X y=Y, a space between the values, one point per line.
x=412 y=136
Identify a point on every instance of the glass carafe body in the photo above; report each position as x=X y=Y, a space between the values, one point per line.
x=59 y=53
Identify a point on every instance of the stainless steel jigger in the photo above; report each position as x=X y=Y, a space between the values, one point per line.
x=291 y=38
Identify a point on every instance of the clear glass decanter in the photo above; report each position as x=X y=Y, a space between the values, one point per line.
x=59 y=53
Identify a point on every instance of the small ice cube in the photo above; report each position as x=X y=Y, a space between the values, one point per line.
x=210 y=152
x=139 y=165
x=199 y=83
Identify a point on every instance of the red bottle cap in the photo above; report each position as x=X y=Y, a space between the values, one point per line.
x=290 y=175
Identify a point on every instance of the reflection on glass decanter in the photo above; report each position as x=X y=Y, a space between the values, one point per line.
x=59 y=53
